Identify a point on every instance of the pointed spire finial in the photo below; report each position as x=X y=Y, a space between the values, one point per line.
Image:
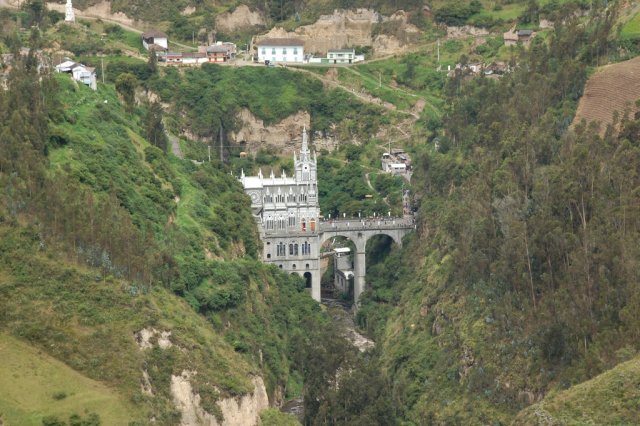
x=305 y=142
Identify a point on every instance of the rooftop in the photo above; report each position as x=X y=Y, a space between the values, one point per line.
x=254 y=182
x=280 y=42
x=154 y=34
x=341 y=50
x=217 y=49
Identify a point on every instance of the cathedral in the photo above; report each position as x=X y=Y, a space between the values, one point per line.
x=287 y=211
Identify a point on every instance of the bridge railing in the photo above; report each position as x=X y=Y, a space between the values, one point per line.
x=367 y=224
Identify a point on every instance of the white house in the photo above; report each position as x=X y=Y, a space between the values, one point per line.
x=82 y=73
x=289 y=50
x=341 y=56
x=155 y=39
x=85 y=75
x=337 y=57
x=396 y=162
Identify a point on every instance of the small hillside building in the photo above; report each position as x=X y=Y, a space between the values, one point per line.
x=217 y=54
x=341 y=56
x=155 y=40
x=285 y=50
x=513 y=37
x=82 y=73
x=222 y=51
x=194 y=58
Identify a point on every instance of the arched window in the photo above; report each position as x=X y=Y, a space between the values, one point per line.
x=292 y=221
x=269 y=223
x=281 y=249
x=312 y=224
x=303 y=225
x=306 y=248
x=291 y=249
x=295 y=249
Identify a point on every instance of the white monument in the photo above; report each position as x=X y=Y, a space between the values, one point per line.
x=68 y=12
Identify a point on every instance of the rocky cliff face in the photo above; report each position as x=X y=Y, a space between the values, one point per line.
x=239 y=411
x=348 y=28
x=285 y=136
x=241 y=18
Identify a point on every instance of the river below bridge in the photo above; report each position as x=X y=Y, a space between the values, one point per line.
x=343 y=317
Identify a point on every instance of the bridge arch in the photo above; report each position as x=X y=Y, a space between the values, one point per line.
x=360 y=237
x=360 y=233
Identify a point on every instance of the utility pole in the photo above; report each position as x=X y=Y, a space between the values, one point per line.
x=221 y=148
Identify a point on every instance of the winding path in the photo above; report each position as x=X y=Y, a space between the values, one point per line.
x=363 y=97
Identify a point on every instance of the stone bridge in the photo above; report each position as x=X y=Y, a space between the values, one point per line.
x=359 y=231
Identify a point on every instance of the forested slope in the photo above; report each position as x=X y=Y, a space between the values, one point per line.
x=524 y=274
x=104 y=235
x=609 y=398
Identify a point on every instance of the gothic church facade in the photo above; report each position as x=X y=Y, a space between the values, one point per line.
x=287 y=212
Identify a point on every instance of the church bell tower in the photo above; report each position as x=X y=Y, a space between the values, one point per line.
x=306 y=169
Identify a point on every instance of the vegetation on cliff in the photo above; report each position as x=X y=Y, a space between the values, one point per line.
x=526 y=279
x=103 y=232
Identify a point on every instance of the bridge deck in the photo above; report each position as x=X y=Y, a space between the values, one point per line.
x=367 y=224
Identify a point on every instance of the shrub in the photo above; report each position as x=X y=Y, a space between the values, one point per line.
x=59 y=395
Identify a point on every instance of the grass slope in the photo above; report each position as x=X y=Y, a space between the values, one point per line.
x=84 y=322
x=612 y=398
x=631 y=29
x=34 y=385
x=236 y=316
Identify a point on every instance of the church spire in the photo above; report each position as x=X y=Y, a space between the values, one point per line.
x=305 y=143
x=69 y=16
x=304 y=151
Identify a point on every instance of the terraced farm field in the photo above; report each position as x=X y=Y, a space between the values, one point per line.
x=612 y=88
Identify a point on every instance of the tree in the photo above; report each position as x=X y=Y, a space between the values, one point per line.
x=126 y=85
x=37 y=10
x=531 y=14
x=152 y=63
x=154 y=127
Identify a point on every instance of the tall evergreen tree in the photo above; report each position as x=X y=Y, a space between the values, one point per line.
x=126 y=85
x=154 y=127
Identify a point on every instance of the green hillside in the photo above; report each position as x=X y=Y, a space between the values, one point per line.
x=104 y=235
x=34 y=385
x=515 y=300
x=612 y=398
x=521 y=279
